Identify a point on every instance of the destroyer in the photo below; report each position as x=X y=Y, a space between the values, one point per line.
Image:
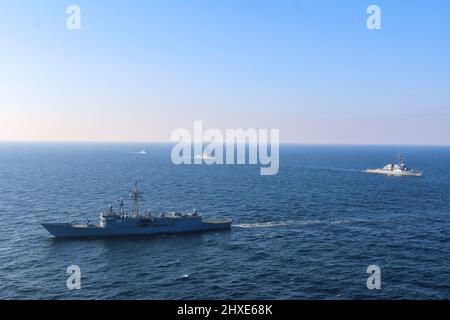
x=399 y=169
x=122 y=223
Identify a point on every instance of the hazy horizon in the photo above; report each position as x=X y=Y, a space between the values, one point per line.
x=137 y=71
x=205 y=143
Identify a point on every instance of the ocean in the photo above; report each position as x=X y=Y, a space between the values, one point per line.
x=309 y=232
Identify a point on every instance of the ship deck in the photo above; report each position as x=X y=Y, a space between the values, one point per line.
x=83 y=225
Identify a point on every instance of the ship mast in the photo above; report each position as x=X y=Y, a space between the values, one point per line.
x=401 y=160
x=136 y=195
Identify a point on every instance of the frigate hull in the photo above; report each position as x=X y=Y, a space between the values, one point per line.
x=395 y=173
x=68 y=230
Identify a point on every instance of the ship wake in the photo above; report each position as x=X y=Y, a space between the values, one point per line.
x=298 y=223
x=275 y=224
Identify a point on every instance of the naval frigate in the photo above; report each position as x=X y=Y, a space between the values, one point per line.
x=399 y=169
x=122 y=223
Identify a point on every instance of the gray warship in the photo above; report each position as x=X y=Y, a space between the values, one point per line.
x=122 y=223
x=399 y=169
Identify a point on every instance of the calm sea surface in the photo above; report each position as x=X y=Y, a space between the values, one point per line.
x=309 y=232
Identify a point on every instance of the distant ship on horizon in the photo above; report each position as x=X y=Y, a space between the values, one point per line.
x=205 y=156
x=399 y=169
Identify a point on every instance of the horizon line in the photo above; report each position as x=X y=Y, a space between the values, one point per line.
x=174 y=142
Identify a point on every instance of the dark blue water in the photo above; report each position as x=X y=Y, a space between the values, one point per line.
x=309 y=232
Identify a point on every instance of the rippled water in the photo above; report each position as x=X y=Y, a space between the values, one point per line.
x=309 y=232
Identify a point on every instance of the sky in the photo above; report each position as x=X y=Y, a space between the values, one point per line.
x=138 y=70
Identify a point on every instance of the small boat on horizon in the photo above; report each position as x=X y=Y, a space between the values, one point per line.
x=205 y=156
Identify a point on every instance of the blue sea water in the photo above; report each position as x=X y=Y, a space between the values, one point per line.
x=309 y=232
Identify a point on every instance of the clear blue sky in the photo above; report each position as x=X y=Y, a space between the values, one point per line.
x=137 y=70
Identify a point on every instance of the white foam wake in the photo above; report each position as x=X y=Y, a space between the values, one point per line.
x=275 y=224
x=298 y=223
